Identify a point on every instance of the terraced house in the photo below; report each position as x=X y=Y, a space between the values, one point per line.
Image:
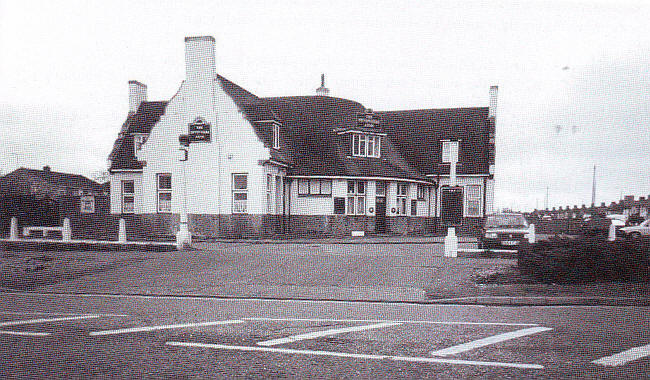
x=300 y=164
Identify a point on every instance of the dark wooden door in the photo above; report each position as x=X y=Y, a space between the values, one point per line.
x=380 y=222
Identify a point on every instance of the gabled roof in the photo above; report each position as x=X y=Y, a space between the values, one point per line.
x=418 y=134
x=311 y=146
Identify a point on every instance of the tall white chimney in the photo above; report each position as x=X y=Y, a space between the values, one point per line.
x=200 y=59
x=492 y=110
x=137 y=95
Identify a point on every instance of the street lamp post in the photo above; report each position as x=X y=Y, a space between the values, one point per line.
x=451 y=240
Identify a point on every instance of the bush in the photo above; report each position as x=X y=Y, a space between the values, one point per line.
x=586 y=260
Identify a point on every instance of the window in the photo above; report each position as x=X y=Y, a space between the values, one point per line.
x=364 y=145
x=473 y=200
x=380 y=188
x=128 y=197
x=356 y=203
x=276 y=136
x=138 y=141
x=339 y=205
x=164 y=192
x=422 y=192
x=269 y=193
x=239 y=193
x=414 y=207
x=402 y=193
x=449 y=151
x=87 y=204
x=319 y=187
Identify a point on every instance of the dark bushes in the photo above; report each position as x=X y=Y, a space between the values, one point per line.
x=586 y=260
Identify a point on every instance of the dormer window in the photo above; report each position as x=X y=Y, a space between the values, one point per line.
x=139 y=140
x=276 y=136
x=449 y=151
x=366 y=145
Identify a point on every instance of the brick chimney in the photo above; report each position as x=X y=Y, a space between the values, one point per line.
x=137 y=95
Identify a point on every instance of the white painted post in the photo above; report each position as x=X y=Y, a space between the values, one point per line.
x=531 y=234
x=121 y=233
x=67 y=230
x=612 y=232
x=13 y=231
x=183 y=237
x=451 y=240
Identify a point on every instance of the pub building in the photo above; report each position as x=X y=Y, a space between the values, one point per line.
x=303 y=165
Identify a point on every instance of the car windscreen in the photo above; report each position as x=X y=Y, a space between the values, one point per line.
x=506 y=221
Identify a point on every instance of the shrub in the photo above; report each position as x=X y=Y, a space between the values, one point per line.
x=586 y=260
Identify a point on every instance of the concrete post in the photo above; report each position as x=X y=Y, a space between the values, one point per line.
x=531 y=234
x=183 y=237
x=612 y=232
x=13 y=232
x=67 y=230
x=451 y=243
x=121 y=233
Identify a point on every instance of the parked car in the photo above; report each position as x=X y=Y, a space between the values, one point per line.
x=598 y=225
x=636 y=232
x=506 y=230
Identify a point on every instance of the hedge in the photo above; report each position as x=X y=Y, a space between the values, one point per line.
x=586 y=259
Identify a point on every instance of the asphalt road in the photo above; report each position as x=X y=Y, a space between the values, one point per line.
x=66 y=336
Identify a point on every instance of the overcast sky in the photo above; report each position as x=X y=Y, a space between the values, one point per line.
x=574 y=77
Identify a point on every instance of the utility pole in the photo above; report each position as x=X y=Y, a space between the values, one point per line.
x=546 y=199
x=593 y=188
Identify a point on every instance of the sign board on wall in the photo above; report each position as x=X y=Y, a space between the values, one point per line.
x=87 y=204
x=451 y=206
x=199 y=131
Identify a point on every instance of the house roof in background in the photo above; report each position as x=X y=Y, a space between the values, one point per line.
x=22 y=177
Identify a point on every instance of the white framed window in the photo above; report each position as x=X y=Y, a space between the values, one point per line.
x=139 y=140
x=240 y=193
x=128 y=197
x=269 y=194
x=164 y=181
x=315 y=187
x=366 y=145
x=402 y=196
x=356 y=199
x=87 y=204
x=422 y=192
x=472 y=200
x=276 y=136
x=449 y=151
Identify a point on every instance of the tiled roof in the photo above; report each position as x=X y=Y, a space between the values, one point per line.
x=24 y=178
x=417 y=135
x=311 y=146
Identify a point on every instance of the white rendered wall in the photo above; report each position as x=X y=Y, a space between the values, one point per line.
x=116 y=190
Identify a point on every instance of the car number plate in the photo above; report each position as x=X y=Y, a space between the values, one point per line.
x=510 y=242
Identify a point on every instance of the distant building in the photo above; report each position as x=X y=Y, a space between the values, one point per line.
x=46 y=183
x=301 y=164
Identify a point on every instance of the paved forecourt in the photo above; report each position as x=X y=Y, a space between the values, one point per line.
x=182 y=337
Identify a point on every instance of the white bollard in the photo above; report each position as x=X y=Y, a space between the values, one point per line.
x=121 y=232
x=531 y=234
x=67 y=230
x=13 y=231
x=451 y=243
x=612 y=232
x=183 y=237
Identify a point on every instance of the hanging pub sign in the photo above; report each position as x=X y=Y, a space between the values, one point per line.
x=451 y=206
x=199 y=131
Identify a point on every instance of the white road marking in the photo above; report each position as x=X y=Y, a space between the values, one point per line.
x=489 y=340
x=46 y=320
x=625 y=356
x=54 y=313
x=25 y=333
x=387 y=321
x=323 y=333
x=164 y=327
x=354 y=356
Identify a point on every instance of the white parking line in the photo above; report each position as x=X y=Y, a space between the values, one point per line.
x=24 y=333
x=354 y=356
x=46 y=320
x=164 y=327
x=487 y=341
x=323 y=333
x=387 y=321
x=624 y=357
